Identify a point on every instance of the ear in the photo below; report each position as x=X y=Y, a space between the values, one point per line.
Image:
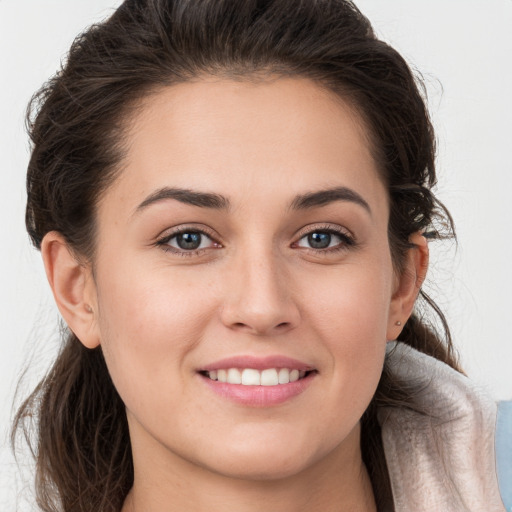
x=408 y=285
x=73 y=288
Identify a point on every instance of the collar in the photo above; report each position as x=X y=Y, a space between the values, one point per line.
x=443 y=460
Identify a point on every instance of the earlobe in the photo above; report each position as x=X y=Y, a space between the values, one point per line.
x=408 y=285
x=72 y=286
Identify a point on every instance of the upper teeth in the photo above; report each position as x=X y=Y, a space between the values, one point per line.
x=252 y=377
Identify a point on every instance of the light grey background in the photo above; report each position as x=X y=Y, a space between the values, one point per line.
x=464 y=50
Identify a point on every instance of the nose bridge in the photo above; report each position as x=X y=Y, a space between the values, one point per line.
x=258 y=297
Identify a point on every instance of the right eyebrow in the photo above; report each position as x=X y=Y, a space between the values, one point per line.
x=187 y=196
x=324 y=197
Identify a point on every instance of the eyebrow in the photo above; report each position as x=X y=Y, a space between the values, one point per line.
x=327 y=196
x=220 y=202
x=187 y=196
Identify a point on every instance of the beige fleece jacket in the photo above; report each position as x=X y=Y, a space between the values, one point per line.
x=443 y=461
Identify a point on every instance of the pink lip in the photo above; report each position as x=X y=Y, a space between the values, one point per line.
x=257 y=363
x=259 y=396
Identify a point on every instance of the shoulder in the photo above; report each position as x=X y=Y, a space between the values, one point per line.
x=441 y=455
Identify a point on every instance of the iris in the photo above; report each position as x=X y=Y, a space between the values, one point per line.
x=319 y=240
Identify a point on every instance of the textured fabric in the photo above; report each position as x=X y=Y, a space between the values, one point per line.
x=443 y=460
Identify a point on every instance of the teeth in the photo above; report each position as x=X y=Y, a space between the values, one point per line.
x=234 y=376
x=284 y=376
x=269 y=377
x=251 y=377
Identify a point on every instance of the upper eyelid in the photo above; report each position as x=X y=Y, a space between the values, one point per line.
x=324 y=227
x=169 y=233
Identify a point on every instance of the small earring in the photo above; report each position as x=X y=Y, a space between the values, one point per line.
x=88 y=308
x=398 y=323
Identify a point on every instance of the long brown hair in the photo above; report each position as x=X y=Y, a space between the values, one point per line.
x=76 y=122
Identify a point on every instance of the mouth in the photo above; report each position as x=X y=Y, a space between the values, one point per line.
x=254 y=377
x=258 y=382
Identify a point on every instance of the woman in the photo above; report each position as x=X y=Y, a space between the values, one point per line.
x=233 y=200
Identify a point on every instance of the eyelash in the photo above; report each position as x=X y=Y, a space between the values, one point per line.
x=164 y=241
x=347 y=240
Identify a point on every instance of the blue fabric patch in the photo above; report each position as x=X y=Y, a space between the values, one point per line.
x=504 y=452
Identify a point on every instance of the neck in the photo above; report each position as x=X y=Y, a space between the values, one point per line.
x=338 y=482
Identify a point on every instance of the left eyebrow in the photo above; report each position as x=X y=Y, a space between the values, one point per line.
x=325 y=197
x=186 y=196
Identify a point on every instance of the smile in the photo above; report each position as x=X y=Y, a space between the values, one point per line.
x=253 y=377
x=258 y=382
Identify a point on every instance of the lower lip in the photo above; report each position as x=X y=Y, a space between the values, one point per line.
x=260 y=396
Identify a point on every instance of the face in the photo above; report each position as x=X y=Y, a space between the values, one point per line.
x=244 y=241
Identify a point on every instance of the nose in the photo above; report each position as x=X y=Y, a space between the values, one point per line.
x=259 y=296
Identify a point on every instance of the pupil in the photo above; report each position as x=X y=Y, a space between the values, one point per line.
x=319 y=240
x=189 y=240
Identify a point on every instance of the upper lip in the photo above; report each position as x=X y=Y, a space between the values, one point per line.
x=257 y=363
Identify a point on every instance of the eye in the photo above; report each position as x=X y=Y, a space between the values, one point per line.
x=322 y=239
x=187 y=241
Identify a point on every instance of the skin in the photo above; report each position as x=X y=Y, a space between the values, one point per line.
x=256 y=287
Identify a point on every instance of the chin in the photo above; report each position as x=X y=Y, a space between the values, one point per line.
x=267 y=469
x=263 y=461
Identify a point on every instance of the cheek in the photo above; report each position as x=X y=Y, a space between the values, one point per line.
x=148 y=324
x=349 y=313
x=152 y=307
x=351 y=304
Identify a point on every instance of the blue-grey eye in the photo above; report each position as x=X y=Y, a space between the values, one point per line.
x=190 y=241
x=321 y=240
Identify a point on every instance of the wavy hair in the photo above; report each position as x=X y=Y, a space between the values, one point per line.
x=76 y=124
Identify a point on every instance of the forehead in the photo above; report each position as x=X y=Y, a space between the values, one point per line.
x=284 y=135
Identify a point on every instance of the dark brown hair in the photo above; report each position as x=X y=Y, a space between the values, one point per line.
x=76 y=124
